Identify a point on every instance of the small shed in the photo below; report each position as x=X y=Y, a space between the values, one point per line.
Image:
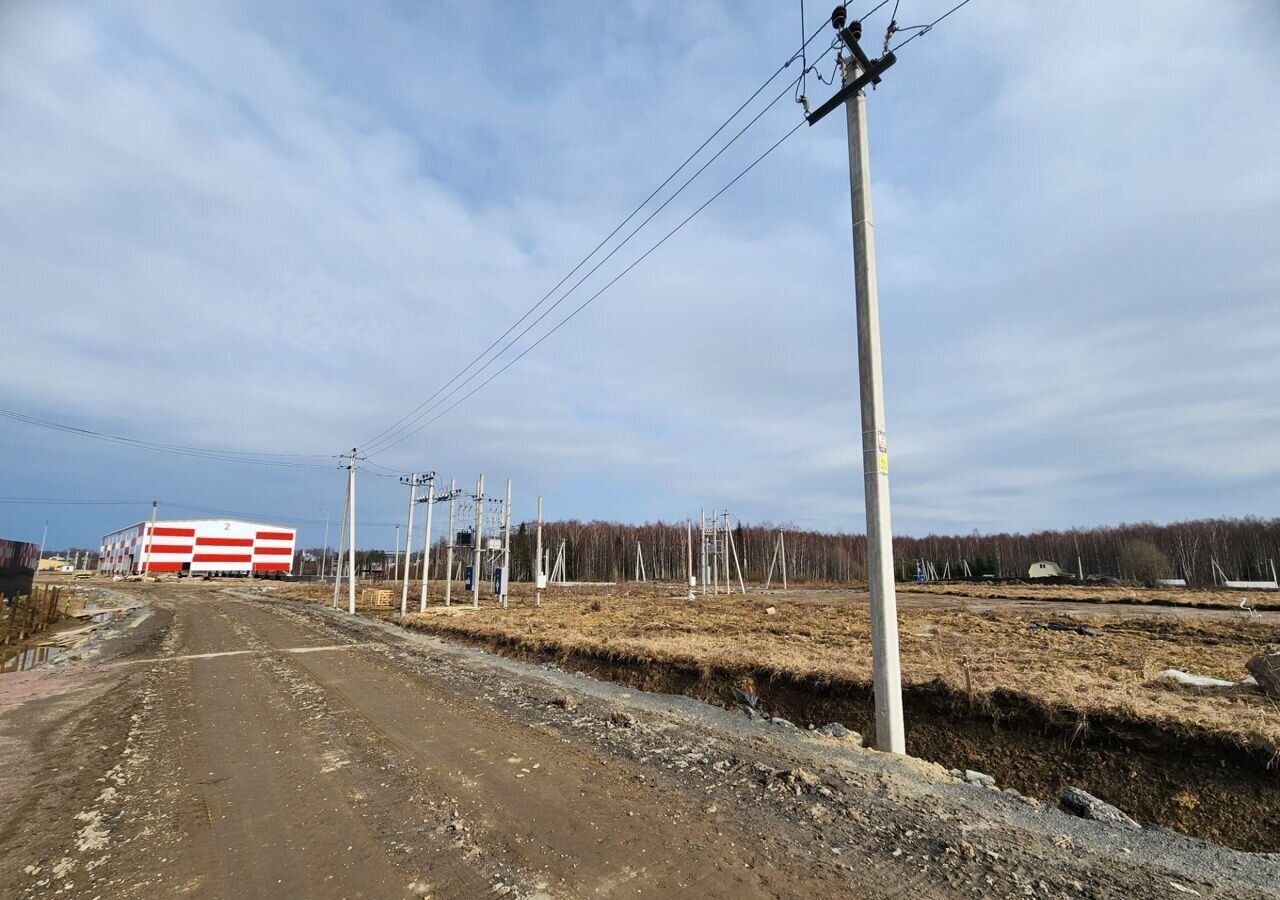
x=1045 y=569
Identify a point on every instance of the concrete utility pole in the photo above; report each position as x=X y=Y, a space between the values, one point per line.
x=476 y=538
x=45 y=537
x=688 y=549
x=324 y=554
x=448 y=551
x=715 y=551
x=426 y=543
x=539 y=576
x=351 y=536
x=395 y=571
x=506 y=549
x=342 y=543
x=702 y=548
x=412 y=481
x=151 y=536
x=887 y=675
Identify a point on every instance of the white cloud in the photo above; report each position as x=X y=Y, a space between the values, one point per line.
x=295 y=223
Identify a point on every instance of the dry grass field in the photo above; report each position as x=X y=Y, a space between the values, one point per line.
x=1159 y=596
x=823 y=638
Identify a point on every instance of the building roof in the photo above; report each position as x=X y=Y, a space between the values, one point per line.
x=198 y=521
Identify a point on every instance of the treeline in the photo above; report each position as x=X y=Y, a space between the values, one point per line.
x=606 y=551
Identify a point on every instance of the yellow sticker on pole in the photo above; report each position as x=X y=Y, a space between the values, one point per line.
x=884 y=463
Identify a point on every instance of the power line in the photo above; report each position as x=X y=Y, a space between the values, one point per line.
x=408 y=429
x=59 y=501
x=799 y=54
x=399 y=431
x=875 y=9
x=71 y=501
x=416 y=424
x=925 y=29
x=227 y=512
x=260 y=458
x=608 y=285
x=387 y=471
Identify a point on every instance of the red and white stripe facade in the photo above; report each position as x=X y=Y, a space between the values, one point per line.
x=201 y=545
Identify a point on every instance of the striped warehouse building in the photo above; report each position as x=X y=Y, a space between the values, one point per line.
x=206 y=546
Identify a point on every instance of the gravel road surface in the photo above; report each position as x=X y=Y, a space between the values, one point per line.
x=216 y=744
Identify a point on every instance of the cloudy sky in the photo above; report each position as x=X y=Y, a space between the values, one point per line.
x=280 y=227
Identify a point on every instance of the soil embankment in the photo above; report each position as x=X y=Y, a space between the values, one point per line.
x=985 y=689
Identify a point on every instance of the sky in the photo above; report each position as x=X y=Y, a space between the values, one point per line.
x=281 y=227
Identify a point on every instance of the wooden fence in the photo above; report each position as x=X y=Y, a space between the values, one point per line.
x=33 y=613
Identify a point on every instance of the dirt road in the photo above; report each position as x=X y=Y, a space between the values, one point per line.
x=223 y=746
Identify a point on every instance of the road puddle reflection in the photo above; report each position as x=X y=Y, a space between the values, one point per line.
x=29 y=658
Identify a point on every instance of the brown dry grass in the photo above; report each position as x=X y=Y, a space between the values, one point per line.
x=828 y=640
x=1224 y=599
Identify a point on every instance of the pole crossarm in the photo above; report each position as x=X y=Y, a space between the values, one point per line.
x=870 y=75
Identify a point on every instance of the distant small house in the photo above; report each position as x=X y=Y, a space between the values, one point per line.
x=1045 y=569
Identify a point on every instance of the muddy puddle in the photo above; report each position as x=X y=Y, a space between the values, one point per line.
x=22 y=659
x=27 y=658
x=100 y=613
x=1197 y=784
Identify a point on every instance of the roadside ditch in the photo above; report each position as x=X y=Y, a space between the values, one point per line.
x=1194 y=782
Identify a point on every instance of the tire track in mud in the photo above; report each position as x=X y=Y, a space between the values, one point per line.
x=414 y=822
